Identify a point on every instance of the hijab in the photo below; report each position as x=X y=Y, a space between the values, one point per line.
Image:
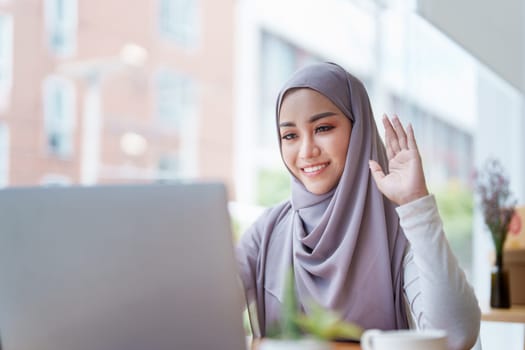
x=346 y=246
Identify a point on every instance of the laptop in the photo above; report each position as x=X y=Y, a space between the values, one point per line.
x=145 y=267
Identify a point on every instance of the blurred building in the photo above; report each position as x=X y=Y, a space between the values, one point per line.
x=73 y=109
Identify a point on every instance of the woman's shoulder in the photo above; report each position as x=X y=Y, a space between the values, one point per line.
x=275 y=213
x=269 y=219
x=259 y=234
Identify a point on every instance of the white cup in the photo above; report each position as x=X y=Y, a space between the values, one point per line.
x=298 y=344
x=404 y=340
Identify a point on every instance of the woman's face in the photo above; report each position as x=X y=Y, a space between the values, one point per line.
x=314 y=139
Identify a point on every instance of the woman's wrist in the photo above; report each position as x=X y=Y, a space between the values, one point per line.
x=414 y=196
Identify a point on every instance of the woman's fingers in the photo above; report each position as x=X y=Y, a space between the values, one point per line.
x=412 y=144
x=400 y=132
x=396 y=138
x=391 y=142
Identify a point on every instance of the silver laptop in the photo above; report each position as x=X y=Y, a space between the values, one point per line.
x=146 y=267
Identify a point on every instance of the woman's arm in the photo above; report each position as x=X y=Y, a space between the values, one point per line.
x=436 y=288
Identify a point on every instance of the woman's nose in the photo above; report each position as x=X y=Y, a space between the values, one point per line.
x=309 y=149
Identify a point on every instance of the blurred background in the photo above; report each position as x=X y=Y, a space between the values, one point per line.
x=113 y=91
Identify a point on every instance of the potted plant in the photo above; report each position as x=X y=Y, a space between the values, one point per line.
x=298 y=331
x=497 y=206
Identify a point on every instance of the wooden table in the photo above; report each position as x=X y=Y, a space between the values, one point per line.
x=346 y=346
x=515 y=314
x=335 y=345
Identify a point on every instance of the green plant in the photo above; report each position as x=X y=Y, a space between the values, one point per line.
x=319 y=323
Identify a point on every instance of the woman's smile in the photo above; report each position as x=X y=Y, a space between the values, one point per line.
x=313 y=170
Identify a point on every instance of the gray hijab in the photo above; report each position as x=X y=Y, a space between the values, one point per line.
x=346 y=246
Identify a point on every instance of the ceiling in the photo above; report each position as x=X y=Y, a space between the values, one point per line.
x=492 y=31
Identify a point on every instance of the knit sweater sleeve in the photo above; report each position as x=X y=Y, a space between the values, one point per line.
x=437 y=293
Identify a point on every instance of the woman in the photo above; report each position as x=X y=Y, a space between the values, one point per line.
x=361 y=231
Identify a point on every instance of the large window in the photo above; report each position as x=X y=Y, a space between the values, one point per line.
x=448 y=146
x=176 y=104
x=61 y=26
x=179 y=21
x=4 y=155
x=6 y=59
x=175 y=98
x=59 y=116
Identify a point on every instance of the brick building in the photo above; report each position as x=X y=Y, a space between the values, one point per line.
x=104 y=121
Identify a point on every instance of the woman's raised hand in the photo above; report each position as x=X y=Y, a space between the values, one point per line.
x=405 y=181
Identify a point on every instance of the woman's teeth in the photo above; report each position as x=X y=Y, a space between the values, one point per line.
x=314 y=168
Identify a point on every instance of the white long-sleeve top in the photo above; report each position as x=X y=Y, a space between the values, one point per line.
x=437 y=293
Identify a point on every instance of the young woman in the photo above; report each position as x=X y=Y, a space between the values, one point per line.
x=361 y=231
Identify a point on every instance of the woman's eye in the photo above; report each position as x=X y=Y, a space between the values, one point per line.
x=323 y=128
x=289 y=136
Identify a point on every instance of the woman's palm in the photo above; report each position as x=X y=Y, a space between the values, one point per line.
x=405 y=180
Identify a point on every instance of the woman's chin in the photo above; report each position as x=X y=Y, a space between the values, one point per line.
x=319 y=189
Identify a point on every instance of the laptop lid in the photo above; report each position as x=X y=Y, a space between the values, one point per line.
x=147 y=267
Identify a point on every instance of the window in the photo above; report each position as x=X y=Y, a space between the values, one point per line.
x=179 y=21
x=61 y=26
x=176 y=102
x=6 y=59
x=4 y=155
x=176 y=109
x=59 y=116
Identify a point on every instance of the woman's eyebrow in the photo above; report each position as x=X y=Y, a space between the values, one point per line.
x=312 y=119
x=320 y=115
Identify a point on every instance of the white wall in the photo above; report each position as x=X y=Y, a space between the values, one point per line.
x=492 y=31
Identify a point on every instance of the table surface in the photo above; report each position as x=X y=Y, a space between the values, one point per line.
x=346 y=346
x=335 y=345
x=516 y=314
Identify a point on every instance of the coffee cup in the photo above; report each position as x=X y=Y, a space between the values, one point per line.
x=375 y=339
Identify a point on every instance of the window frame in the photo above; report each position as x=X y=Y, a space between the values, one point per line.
x=6 y=59
x=179 y=21
x=62 y=27
x=58 y=90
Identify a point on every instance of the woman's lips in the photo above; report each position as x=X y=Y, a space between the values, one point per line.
x=312 y=170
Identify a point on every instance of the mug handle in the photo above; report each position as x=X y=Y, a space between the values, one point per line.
x=367 y=339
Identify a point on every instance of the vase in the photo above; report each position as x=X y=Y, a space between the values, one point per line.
x=499 y=285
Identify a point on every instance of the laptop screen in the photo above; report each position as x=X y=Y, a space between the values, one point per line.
x=118 y=267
